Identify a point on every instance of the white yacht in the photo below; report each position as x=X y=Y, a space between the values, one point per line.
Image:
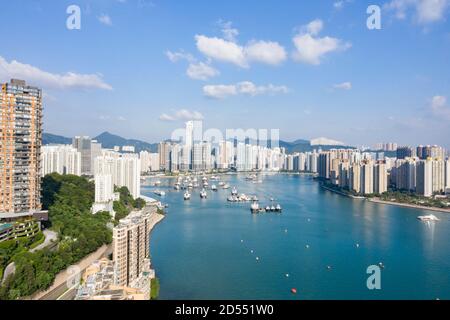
x=159 y=193
x=429 y=217
x=255 y=207
x=213 y=187
x=226 y=186
x=203 y=194
x=234 y=191
x=187 y=196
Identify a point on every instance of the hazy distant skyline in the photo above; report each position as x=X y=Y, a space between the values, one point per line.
x=140 y=68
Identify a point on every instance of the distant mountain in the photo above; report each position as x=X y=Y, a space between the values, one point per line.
x=301 y=145
x=109 y=140
x=48 y=138
x=326 y=142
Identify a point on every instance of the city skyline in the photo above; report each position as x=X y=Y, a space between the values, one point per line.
x=294 y=72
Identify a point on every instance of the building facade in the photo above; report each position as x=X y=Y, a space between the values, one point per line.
x=20 y=149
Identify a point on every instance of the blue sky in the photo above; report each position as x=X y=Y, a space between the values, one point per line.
x=140 y=68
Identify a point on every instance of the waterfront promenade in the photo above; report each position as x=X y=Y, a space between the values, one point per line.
x=407 y=205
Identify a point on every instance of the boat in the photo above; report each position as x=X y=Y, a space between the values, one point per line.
x=190 y=185
x=429 y=217
x=226 y=186
x=187 y=196
x=294 y=291
x=221 y=184
x=213 y=187
x=177 y=187
x=203 y=194
x=268 y=208
x=157 y=183
x=278 y=208
x=255 y=207
x=159 y=193
x=234 y=191
x=272 y=208
x=205 y=184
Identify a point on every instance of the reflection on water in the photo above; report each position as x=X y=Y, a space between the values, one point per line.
x=198 y=253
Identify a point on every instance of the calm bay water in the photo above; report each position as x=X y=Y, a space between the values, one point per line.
x=198 y=254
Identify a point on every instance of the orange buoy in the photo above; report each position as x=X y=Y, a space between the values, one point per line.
x=294 y=291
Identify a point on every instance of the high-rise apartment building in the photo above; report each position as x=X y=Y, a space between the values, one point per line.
x=62 y=159
x=405 y=152
x=367 y=178
x=424 y=181
x=380 y=178
x=20 y=149
x=125 y=170
x=83 y=145
x=131 y=246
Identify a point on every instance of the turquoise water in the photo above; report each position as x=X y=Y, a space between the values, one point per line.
x=198 y=253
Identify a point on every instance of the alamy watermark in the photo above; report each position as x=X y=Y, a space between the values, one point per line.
x=374 y=280
x=73 y=21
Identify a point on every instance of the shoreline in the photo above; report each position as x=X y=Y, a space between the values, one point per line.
x=343 y=193
x=411 y=206
x=392 y=203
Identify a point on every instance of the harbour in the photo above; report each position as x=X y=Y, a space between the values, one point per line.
x=324 y=243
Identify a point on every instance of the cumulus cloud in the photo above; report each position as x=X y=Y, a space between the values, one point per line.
x=182 y=114
x=310 y=48
x=439 y=107
x=268 y=52
x=424 y=11
x=105 y=19
x=241 y=88
x=201 y=71
x=229 y=33
x=227 y=49
x=38 y=77
x=343 y=86
x=221 y=50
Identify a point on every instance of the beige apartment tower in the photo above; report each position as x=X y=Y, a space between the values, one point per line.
x=20 y=149
x=131 y=247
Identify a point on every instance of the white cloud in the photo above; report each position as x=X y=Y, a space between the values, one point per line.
x=221 y=50
x=439 y=107
x=201 y=71
x=425 y=11
x=311 y=49
x=38 y=77
x=244 y=88
x=181 y=55
x=341 y=3
x=229 y=33
x=105 y=19
x=182 y=114
x=265 y=51
x=343 y=86
x=219 y=91
x=314 y=27
x=227 y=49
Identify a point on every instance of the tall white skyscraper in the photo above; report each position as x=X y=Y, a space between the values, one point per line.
x=424 y=174
x=104 y=188
x=62 y=159
x=125 y=170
